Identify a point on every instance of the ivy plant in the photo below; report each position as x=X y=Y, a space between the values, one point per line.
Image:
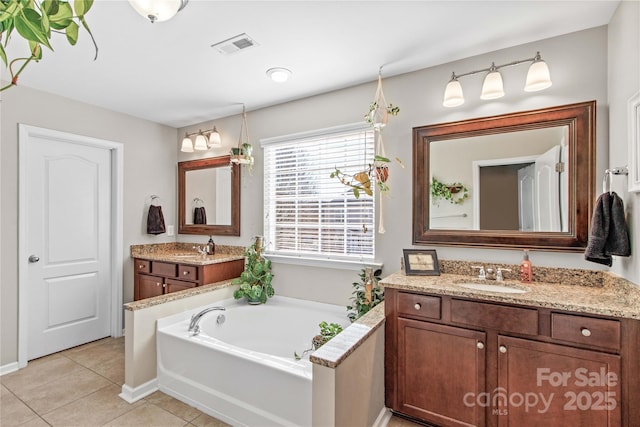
x=360 y=305
x=455 y=193
x=35 y=21
x=255 y=280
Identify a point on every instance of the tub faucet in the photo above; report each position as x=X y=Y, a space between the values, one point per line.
x=195 y=319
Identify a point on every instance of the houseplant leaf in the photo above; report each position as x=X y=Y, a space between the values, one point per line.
x=82 y=6
x=29 y=25
x=62 y=18
x=72 y=33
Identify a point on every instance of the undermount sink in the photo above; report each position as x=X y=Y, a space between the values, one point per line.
x=187 y=256
x=492 y=288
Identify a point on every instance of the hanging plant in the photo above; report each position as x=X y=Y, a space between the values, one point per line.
x=378 y=115
x=35 y=21
x=243 y=153
x=375 y=173
x=455 y=193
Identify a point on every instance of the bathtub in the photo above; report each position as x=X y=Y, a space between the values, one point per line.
x=243 y=371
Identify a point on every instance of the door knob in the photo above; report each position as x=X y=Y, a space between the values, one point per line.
x=34 y=258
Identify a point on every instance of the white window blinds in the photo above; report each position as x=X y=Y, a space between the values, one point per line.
x=308 y=213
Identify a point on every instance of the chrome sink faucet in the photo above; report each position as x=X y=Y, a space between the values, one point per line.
x=195 y=319
x=482 y=274
x=201 y=251
x=499 y=275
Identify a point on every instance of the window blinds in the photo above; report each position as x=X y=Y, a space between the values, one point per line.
x=308 y=213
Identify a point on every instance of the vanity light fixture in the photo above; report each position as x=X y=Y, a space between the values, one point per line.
x=204 y=140
x=278 y=74
x=158 y=10
x=538 y=78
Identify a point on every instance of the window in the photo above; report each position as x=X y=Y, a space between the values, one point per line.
x=309 y=214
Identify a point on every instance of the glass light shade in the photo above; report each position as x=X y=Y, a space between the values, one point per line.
x=214 y=139
x=157 y=10
x=201 y=143
x=492 y=86
x=538 y=77
x=279 y=75
x=187 y=145
x=453 y=94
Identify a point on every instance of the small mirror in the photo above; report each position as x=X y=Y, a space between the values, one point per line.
x=518 y=180
x=209 y=197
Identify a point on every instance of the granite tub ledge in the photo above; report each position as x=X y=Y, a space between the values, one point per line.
x=173 y=296
x=346 y=342
x=183 y=253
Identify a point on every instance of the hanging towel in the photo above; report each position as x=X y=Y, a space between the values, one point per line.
x=609 y=233
x=199 y=216
x=155 y=220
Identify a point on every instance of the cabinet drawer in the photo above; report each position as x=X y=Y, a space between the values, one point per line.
x=586 y=330
x=187 y=272
x=142 y=266
x=418 y=305
x=493 y=316
x=164 y=269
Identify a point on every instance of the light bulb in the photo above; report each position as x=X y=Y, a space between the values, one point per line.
x=201 y=143
x=158 y=10
x=187 y=145
x=492 y=86
x=453 y=93
x=214 y=139
x=538 y=77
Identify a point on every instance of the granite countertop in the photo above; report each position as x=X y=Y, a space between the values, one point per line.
x=173 y=296
x=609 y=295
x=183 y=253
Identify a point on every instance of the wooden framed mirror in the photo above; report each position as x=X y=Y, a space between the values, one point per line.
x=209 y=197
x=529 y=178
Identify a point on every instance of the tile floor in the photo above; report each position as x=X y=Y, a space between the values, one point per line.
x=79 y=387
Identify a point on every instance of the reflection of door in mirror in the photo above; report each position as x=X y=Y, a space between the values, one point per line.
x=516 y=181
x=209 y=191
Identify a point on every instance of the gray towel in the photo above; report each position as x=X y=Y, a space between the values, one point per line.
x=155 y=220
x=199 y=216
x=609 y=233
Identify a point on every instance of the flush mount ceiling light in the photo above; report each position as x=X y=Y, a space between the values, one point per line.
x=158 y=10
x=279 y=75
x=538 y=78
x=204 y=140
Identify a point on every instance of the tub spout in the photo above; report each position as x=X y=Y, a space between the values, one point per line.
x=195 y=319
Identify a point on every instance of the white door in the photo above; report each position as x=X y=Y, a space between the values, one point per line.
x=68 y=197
x=548 y=191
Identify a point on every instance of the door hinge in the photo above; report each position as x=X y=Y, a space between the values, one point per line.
x=560 y=167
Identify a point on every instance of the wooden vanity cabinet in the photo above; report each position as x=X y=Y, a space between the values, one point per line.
x=477 y=363
x=153 y=278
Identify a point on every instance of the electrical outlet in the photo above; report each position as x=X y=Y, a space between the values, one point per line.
x=170 y=230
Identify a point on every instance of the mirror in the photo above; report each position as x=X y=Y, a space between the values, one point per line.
x=209 y=197
x=519 y=180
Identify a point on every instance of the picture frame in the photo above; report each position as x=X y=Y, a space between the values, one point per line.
x=633 y=114
x=421 y=262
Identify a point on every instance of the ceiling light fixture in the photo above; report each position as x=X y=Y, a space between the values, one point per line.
x=279 y=75
x=204 y=140
x=538 y=78
x=158 y=10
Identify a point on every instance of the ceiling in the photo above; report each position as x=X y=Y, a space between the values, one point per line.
x=168 y=72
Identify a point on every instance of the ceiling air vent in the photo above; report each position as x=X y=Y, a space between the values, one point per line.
x=235 y=44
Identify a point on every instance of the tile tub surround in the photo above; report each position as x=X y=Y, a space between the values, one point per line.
x=581 y=291
x=176 y=251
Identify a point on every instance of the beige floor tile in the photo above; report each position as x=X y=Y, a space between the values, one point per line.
x=13 y=412
x=205 y=420
x=113 y=370
x=62 y=391
x=95 y=409
x=174 y=406
x=36 y=422
x=39 y=372
x=97 y=355
x=84 y=347
x=147 y=414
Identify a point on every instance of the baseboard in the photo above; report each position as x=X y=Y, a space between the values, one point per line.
x=383 y=418
x=131 y=394
x=8 y=368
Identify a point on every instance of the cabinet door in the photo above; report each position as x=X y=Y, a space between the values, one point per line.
x=149 y=286
x=441 y=373
x=173 y=285
x=550 y=385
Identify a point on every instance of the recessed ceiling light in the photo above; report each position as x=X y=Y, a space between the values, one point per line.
x=279 y=75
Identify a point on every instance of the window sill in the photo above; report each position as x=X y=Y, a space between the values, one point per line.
x=326 y=263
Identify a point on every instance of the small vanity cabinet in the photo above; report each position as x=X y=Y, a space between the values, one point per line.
x=153 y=278
x=455 y=361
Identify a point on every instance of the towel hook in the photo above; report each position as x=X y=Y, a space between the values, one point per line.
x=608 y=177
x=198 y=202
x=155 y=199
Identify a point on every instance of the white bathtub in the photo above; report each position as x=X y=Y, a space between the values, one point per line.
x=243 y=371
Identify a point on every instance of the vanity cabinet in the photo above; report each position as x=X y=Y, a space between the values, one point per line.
x=453 y=361
x=153 y=278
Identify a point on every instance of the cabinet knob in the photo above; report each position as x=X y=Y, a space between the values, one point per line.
x=141 y=266
x=417 y=306
x=502 y=349
x=585 y=332
x=184 y=273
x=157 y=284
x=480 y=345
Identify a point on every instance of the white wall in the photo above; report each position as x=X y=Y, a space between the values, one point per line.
x=149 y=168
x=578 y=64
x=624 y=81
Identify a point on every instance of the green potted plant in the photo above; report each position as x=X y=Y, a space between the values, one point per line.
x=327 y=332
x=35 y=21
x=366 y=293
x=455 y=193
x=255 y=280
x=362 y=181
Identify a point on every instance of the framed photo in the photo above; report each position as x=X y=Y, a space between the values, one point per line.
x=633 y=108
x=421 y=262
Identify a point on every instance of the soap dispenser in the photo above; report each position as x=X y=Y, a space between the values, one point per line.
x=211 y=247
x=526 y=272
